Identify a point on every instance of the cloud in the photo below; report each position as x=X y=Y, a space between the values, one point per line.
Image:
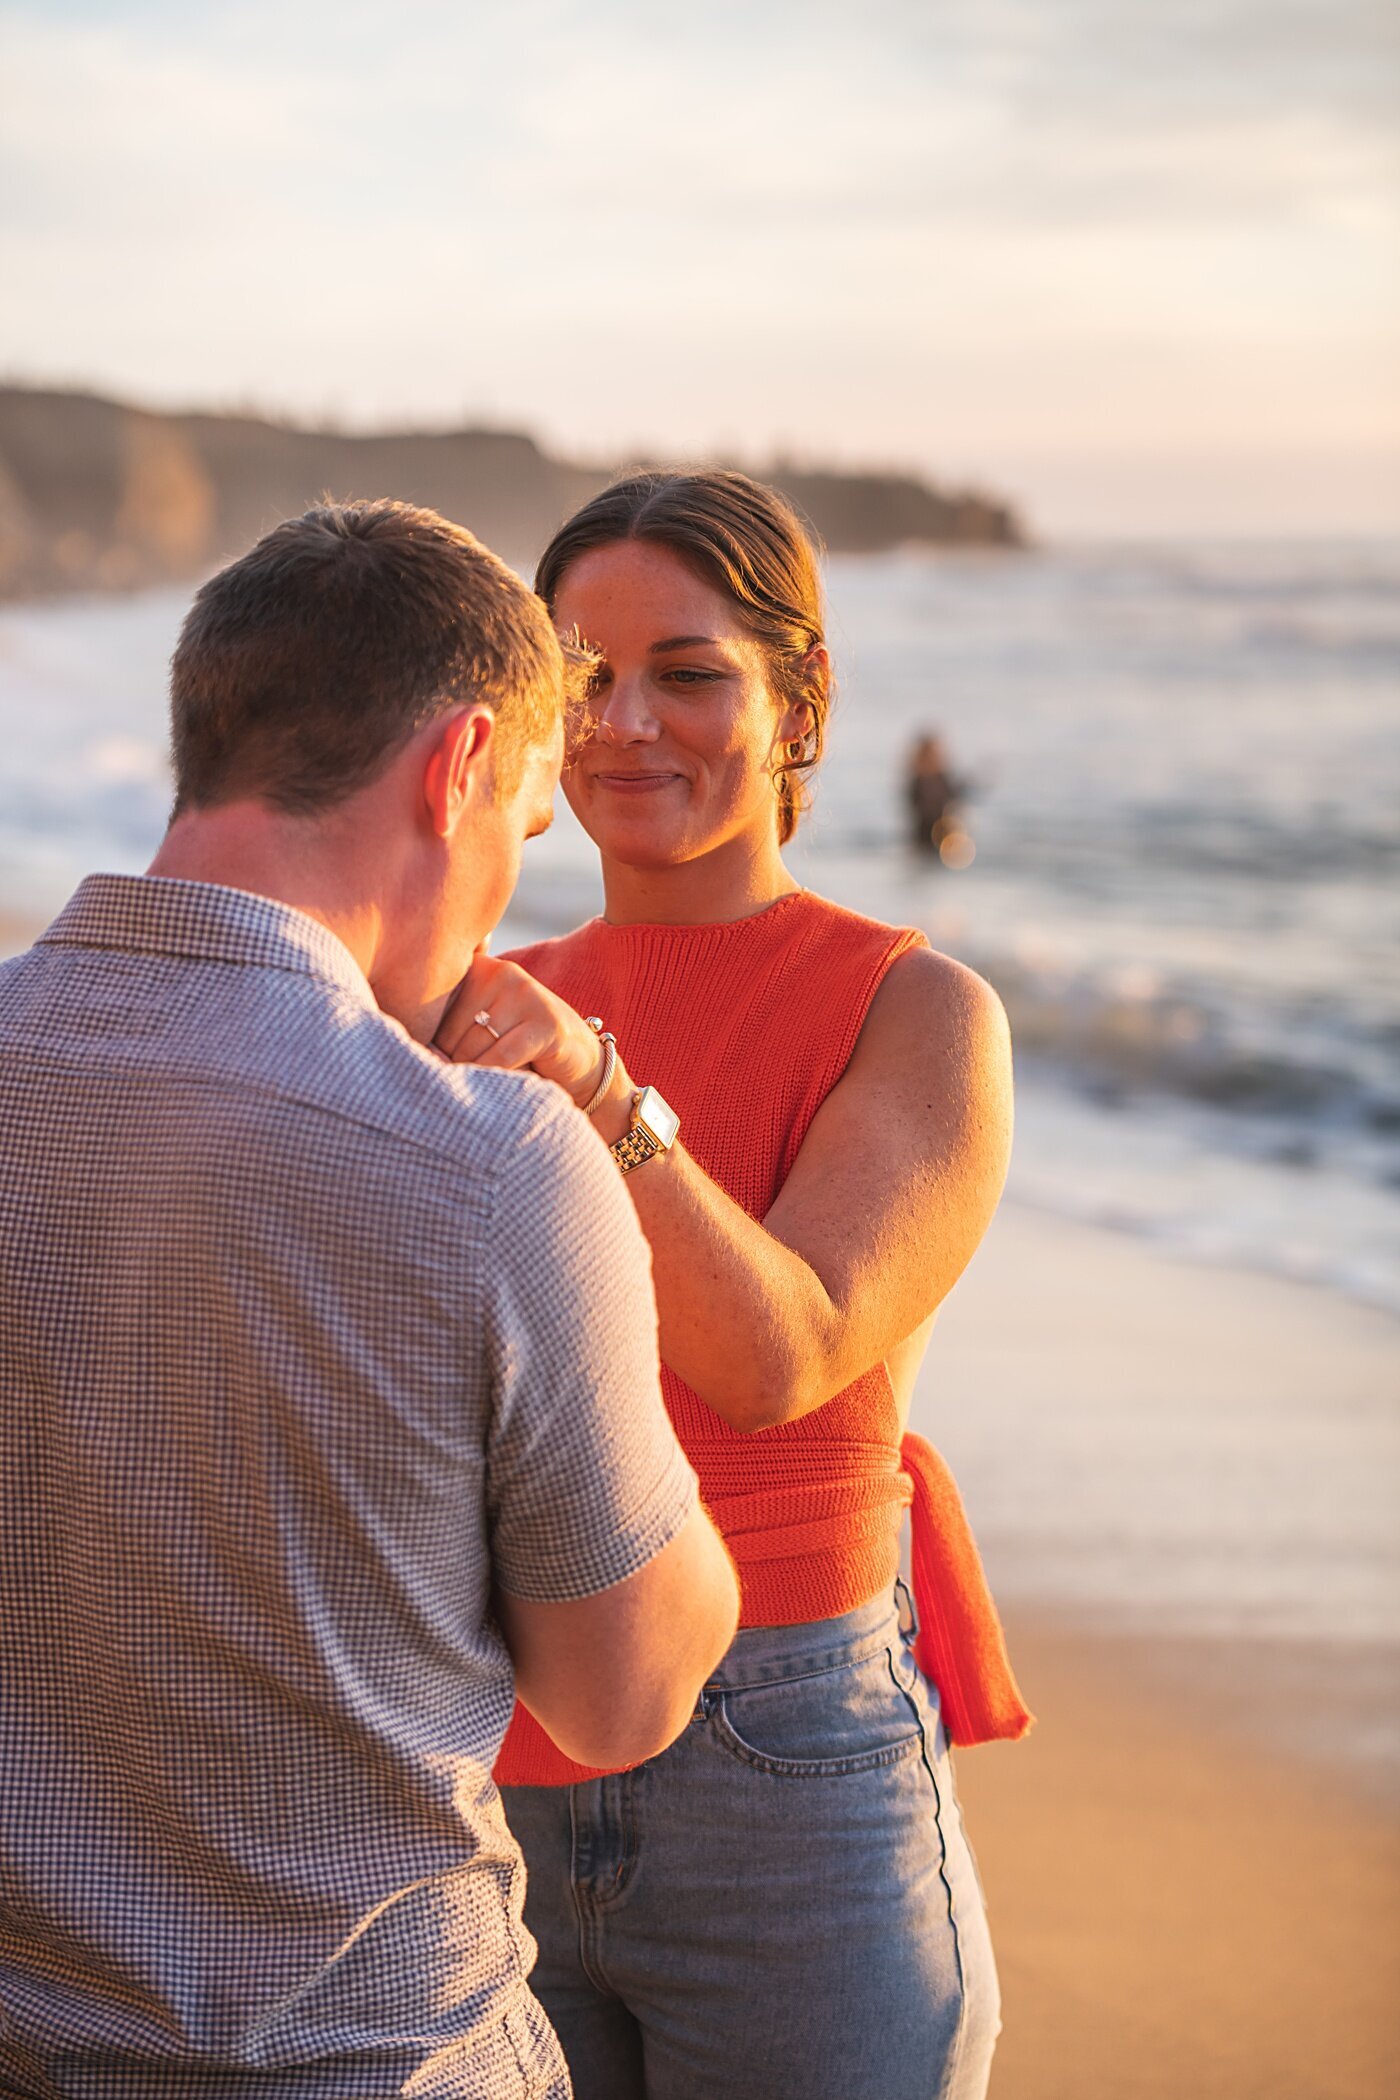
x=920 y=224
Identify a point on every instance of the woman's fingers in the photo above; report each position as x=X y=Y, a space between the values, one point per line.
x=573 y=1059
x=459 y=1032
x=528 y=1042
x=470 y=1038
x=500 y=1017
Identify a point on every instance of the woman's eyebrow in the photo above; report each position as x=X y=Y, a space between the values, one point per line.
x=682 y=641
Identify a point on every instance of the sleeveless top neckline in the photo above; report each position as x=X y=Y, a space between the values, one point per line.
x=679 y=927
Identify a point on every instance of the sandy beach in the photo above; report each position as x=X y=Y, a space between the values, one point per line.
x=1177 y=1918
x=1193 y=1864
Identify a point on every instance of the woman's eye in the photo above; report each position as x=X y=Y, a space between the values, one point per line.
x=683 y=675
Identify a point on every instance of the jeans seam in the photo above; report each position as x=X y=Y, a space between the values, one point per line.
x=585 y=1911
x=630 y=1853
x=955 y=2053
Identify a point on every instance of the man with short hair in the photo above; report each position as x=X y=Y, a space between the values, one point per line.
x=329 y=1409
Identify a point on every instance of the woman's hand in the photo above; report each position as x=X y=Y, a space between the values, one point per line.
x=530 y=1029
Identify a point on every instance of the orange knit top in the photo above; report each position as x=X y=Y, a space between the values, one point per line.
x=745 y=1027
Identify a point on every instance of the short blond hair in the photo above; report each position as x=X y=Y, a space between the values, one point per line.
x=305 y=664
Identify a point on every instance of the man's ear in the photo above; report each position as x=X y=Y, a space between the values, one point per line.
x=457 y=773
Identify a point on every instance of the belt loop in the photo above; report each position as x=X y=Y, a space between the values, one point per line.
x=908 y=1617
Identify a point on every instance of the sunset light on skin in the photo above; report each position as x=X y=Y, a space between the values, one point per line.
x=633 y=633
x=1133 y=269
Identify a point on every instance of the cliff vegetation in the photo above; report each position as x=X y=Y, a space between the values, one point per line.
x=97 y=495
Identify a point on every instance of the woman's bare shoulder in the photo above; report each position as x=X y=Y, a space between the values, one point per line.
x=928 y=1002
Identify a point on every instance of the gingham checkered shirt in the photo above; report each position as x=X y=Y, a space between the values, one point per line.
x=305 y=1339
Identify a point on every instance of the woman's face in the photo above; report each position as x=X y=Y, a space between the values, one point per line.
x=686 y=734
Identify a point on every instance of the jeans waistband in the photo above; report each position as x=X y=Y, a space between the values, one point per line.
x=769 y=1654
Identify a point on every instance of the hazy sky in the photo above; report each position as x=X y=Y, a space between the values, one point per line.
x=1137 y=261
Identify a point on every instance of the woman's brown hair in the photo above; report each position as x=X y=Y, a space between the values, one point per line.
x=745 y=541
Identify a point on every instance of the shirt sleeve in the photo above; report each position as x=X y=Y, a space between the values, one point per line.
x=585 y=1479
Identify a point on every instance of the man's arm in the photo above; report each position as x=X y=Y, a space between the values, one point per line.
x=615 y=1593
x=613 y=1678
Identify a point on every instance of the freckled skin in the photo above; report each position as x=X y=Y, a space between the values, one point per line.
x=679 y=770
x=904 y=1163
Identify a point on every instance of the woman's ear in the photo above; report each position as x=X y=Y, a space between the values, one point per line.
x=816 y=681
x=816 y=665
x=796 y=725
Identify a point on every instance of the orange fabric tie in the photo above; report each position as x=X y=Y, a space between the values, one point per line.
x=960 y=1645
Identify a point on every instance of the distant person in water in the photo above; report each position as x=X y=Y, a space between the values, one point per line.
x=934 y=795
x=812 y=1113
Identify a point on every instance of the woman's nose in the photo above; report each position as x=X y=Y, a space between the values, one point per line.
x=625 y=717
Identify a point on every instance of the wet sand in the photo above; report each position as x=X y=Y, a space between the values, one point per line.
x=1178 y=1916
x=1193 y=1864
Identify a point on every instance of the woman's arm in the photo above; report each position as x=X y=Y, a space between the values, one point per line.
x=893 y=1188
x=896 y=1182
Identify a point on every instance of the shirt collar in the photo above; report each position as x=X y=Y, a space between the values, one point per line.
x=205 y=922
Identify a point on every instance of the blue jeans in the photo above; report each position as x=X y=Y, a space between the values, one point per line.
x=783 y=1905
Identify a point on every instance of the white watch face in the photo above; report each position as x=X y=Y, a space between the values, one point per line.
x=657 y=1118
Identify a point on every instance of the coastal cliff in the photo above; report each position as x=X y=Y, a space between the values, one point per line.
x=97 y=495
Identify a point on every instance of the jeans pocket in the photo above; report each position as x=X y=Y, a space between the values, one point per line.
x=856 y=1717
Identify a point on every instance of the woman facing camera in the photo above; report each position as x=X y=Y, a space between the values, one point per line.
x=813 y=1114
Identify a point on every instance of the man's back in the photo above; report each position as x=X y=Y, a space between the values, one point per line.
x=304 y=1340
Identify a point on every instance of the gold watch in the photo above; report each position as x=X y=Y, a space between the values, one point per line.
x=655 y=1125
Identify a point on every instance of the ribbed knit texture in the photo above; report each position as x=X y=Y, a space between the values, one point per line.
x=745 y=1028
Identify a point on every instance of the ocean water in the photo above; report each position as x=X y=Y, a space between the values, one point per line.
x=1186 y=887
x=1186 y=816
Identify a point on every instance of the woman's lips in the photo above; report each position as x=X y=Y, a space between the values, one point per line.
x=634 y=783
